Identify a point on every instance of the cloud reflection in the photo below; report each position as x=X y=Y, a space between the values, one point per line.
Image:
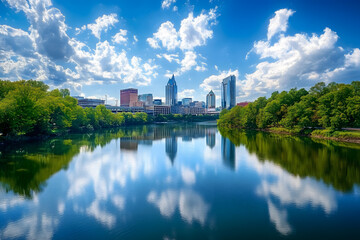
x=289 y=189
x=191 y=205
x=33 y=227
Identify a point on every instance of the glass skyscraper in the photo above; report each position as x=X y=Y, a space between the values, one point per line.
x=171 y=92
x=228 y=97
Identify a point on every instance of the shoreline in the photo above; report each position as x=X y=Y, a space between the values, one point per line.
x=317 y=136
x=284 y=131
x=41 y=137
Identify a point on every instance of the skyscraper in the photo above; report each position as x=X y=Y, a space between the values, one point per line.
x=210 y=100
x=171 y=92
x=228 y=91
x=128 y=97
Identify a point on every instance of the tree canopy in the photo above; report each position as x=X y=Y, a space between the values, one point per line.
x=330 y=106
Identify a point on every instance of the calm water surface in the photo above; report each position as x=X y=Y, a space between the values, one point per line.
x=179 y=182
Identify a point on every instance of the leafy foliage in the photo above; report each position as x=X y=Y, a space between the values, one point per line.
x=333 y=106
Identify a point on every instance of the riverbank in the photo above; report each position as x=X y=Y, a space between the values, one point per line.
x=350 y=136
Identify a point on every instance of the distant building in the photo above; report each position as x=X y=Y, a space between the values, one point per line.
x=157 y=102
x=199 y=104
x=138 y=104
x=171 y=92
x=146 y=98
x=186 y=101
x=242 y=104
x=228 y=92
x=197 y=110
x=161 y=109
x=89 y=102
x=128 y=97
x=210 y=100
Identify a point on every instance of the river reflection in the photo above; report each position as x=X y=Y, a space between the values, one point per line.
x=179 y=181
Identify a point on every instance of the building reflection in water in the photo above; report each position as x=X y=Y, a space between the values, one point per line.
x=228 y=152
x=210 y=138
x=128 y=144
x=171 y=148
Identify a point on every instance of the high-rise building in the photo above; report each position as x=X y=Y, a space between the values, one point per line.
x=186 y=101
x=210 y=100
x=128 y=97
x=146 y=98
x=228 y=91
x=171 y=92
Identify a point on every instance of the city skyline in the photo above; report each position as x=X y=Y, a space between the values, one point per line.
x=96 y=49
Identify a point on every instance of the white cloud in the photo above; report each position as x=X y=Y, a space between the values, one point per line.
x=167 y=3
x=186 y=93
x=34 y=54
x=47 y=28
x=279 y=23
x=201 y=68
x=188 y=62
x=167 y=35
x=353 y=59
x=102 y=24
x=298 y=61
x=120 y=37
x=169 y=57
x=135 y=39
x=193 y=32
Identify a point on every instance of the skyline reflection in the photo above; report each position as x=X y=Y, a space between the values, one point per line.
x=115 y=180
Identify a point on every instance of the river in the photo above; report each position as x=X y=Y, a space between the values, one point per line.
x=179 y=181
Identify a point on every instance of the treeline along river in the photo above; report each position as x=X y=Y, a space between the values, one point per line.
x=179 y=181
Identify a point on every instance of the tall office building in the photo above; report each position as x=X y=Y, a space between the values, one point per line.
x=171 y=92
x=210 y=100
x=146 y=98
x=128 y=97
x=228 y=91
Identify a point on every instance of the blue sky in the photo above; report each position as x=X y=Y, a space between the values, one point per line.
x=96 y=48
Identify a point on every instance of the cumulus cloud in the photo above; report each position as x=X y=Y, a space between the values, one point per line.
x=279 y=23
x=188 y=62
x=186 y=93
x=102 y=24
x=167 y=3
x=106 y=64
x=120 y=37
x=167 y=35
x=47 y=29
x=297 y=61
x=16 y=41
x=40 y=51
x=193 y=32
